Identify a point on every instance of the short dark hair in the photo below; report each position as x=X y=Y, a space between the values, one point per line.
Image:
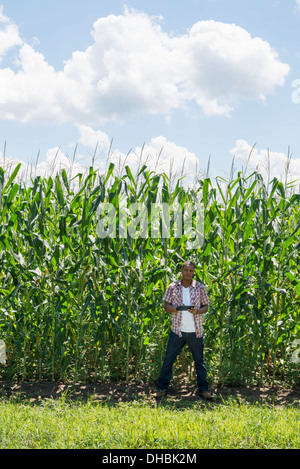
x=186 y=263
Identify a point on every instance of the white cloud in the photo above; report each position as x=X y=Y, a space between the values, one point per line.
x=159 y=155
x=94 y=139
x=54 y=162
x=226 y=63
x=269 y=163
x=298 y=3
x=9 y=35
x=3 y=17
x=134 y=67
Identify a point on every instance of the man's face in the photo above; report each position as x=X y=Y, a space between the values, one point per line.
x=188 y=272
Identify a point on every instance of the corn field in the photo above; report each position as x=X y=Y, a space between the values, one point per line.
x=77 y=306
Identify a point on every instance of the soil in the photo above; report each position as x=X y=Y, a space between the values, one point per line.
x=179 y=394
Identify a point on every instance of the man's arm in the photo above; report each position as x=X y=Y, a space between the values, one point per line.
x=204 y=303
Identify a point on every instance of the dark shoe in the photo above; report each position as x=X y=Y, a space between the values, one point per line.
x=205 y=395
x=160 y=393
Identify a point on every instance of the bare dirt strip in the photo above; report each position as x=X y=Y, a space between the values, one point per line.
x=179 y=395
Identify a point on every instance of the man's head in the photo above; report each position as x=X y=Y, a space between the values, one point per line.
x=188 y=270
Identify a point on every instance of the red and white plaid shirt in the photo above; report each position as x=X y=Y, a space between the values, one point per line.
x=199 y=298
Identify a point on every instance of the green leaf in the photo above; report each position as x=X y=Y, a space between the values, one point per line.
x=12 y=177
x=59 y=191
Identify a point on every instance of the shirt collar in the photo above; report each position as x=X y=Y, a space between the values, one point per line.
x=193 y=284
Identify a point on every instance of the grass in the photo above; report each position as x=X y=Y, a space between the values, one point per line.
x=65 y=424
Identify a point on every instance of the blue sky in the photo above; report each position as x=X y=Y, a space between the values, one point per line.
x=188 y=79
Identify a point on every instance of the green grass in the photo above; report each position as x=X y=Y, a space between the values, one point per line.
x=55 y=424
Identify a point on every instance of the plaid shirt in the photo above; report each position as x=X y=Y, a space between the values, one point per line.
x=199 y=298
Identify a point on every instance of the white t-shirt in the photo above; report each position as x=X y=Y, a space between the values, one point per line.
x=187 y=319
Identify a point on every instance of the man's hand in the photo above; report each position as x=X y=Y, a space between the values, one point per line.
x=202 y=310
x=169 y=308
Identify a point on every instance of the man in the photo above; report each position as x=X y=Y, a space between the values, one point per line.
x=186 y=327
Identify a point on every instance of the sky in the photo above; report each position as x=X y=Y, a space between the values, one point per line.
x=171 y=83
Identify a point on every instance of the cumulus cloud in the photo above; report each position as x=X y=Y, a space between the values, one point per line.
x=94 y=139
x=55 y=160
x=159 y=155
x=226 y=63
x=9 y=35
x=269 y=163
x=132 y=67
x=30 y=94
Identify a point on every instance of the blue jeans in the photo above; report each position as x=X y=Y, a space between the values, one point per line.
x=174 y=347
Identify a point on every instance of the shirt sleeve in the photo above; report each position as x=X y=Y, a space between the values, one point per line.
x=168 y=296
x=204 y=296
